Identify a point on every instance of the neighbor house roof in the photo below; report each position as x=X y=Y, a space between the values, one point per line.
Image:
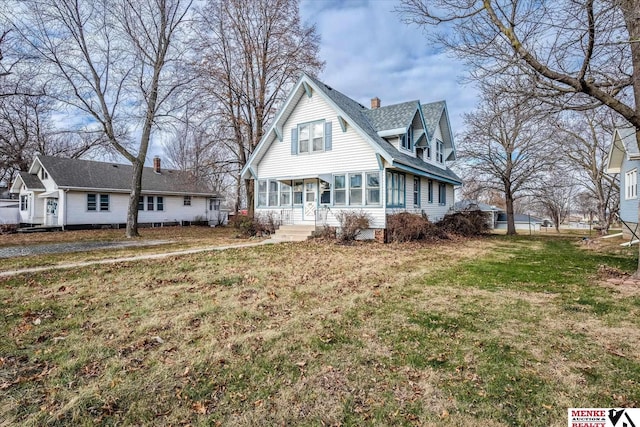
x=474 y=205
x=32 y=182
x=502 y=217
x=623 y=145
x=361 y=116
x=88 y=174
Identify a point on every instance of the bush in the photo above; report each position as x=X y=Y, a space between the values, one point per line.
x=263 y=225
x=466 y=223
x=407 y=227
x=351 y=224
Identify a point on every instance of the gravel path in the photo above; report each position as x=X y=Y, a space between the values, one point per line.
x=57 y=248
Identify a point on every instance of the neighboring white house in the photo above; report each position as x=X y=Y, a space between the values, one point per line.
x=624 y=159
x=73 y=193
x=326 y=153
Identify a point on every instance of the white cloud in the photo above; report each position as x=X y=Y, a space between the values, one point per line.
x=370 y=52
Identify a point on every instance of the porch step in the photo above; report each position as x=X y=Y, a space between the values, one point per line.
x=293 y=233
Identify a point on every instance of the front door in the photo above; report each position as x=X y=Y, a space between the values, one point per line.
x=52 y=212
x=310 y=199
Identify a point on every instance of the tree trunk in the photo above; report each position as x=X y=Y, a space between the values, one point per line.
x=136 y=190
x=248 y=183
x=511 y=225
x=631 y=14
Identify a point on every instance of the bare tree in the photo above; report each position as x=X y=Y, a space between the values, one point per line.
x=587 y=136
x=555 y=195
x=505 y=147
x=196 y=146
x=114 y=62
x=252 y=52
x=577 y=53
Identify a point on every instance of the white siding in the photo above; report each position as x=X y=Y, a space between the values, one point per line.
x=434 y=210
x=349 y=153
x=174 y=210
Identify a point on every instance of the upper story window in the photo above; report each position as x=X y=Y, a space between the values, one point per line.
x=439 y=151
x=406 y=140
x=43 y=174
x=631 y=184
x=311 y=137
x=427 y=151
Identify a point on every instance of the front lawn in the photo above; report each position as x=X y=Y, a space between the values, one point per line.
x=495 y=332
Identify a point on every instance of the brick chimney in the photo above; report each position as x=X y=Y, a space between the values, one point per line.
x=156 y=164
x=375 y=103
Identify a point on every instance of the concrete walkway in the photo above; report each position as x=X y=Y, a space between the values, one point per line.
x=10 y=273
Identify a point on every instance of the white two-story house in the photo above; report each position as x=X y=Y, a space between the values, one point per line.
x=325 y=153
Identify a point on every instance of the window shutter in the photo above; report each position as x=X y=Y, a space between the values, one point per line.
x=294 y=141
x=327 y=136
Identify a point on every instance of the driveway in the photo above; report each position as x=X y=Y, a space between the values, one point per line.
x=59 y=248
x=129 y=259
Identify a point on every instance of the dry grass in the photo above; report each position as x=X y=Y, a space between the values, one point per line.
x=322 y=334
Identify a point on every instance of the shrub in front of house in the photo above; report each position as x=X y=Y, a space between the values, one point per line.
x=465 y=223
x=352 y=223
x=408 y=227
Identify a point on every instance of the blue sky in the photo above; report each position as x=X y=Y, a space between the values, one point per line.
x=370 y=52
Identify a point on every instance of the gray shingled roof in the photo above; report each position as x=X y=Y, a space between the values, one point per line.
x=76 y=173
x=32 y=182
x=360 y=115
x=432 y=113
x=397 y=116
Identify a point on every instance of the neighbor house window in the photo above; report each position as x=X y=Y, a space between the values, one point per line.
x=92 y=204
x=395 y=189
x=24 y=202
x=339 y=190
x=141 y=203
x=416 y=191
x=104 y=202
x=442 y=194
x=160 y=203
x=373 y=188
x=97 y=202
x=298 y=187
x=262 y=192
x=631 y=184
x=285 y=194
x=187 y=201
x=311 y=137
x=430 y=191
x=439 y=151
x=355 y=189
x=150 y=202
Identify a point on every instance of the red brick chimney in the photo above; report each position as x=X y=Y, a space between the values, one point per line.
x=375 y=103
x=156 y=164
